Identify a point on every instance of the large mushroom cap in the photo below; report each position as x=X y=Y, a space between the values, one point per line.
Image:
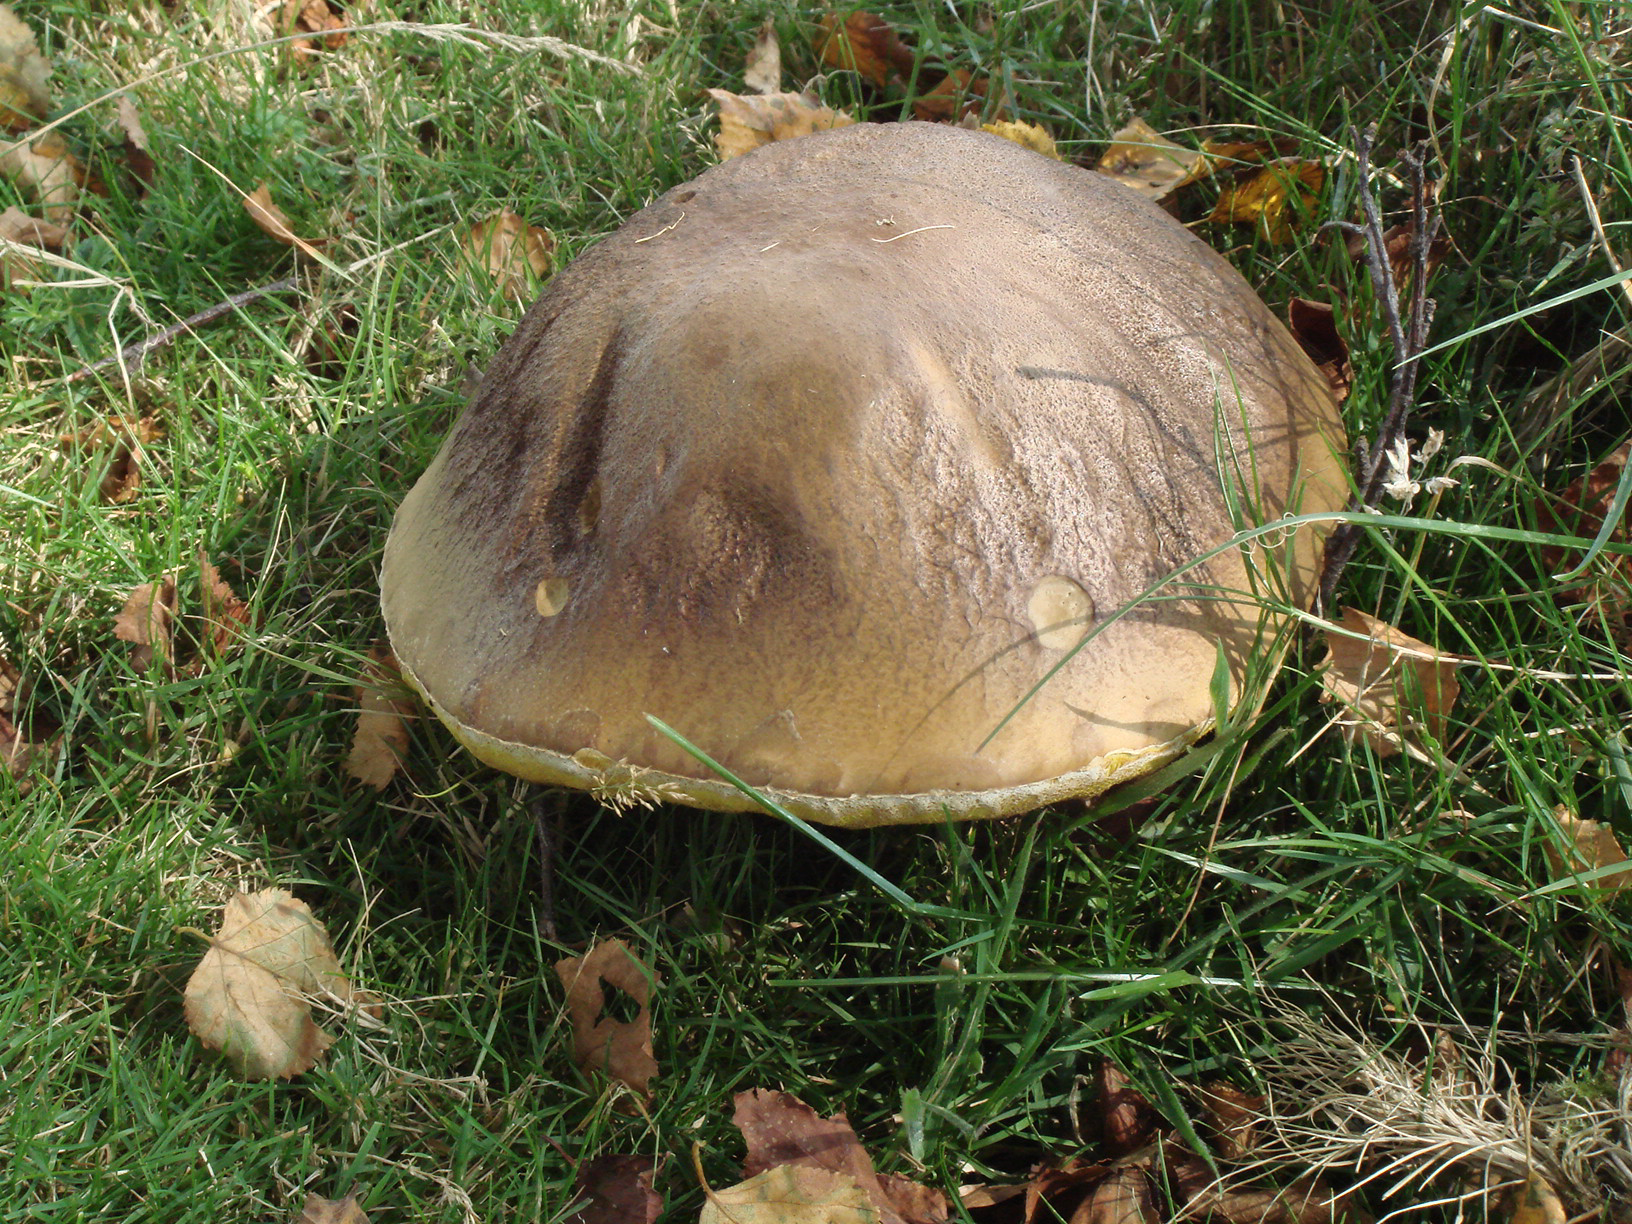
x=830 y=455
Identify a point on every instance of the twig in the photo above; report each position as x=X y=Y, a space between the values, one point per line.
x=1409 y=337
x=131 y=356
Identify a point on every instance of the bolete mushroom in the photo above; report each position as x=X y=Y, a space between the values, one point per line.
x=830 y=455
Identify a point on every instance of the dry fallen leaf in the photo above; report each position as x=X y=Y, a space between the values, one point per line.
x=25 y=97
x=250 y=996
x=123 y=436
x=1125 y=1196
x=1581 y=510
x=17 y=754
x=1232 y=1117
x=1033 y=136
x=18 y=227
x=622 y=1049
x=1590 y=846
x=43 y=165
x=1143 y=159
x=1390 y=684
x=326 y=24
x=1314 y=327
x=747 y=123
x=138 y=156
x=317 y=1210
x=617 y=1190
x=269 y=217
x=1128 y=1119
x=147 y=622
x=781 y=1130
x=763 y=72
x=1266 y=199
x=226 y=617
x=790 y=1194
x=959 y=93
x=865 y=44
x=514 y=255
x=383 y=706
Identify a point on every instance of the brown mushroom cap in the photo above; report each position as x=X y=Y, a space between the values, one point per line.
x=828 y=456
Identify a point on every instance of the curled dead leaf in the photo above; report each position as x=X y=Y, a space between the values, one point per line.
x=1142 y=158
x=1314 y=327
x=1232 y=1117
x=137 y=155
x=1390 y=685
x=25 y=96
x=269 y=217
x=865 y=44
x=746 y=123
x=251 y=995
x=24 y=231
x=1127 y=1117
x=617 y=1190
x=147 y=622
x=1124 y=1196
x=384 y=704
x=324 y=21
x=318 y=1210
x=1581 y=510
x=512 y=254
x=958 y=94
x=620 y=1048
x=1272 y=198
x=123 y=439
x=762 y=74
x=44 y=166
x=226 y=617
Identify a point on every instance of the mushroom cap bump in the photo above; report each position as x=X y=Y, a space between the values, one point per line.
x=829 y=456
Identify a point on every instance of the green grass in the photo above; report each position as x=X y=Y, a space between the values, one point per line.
x=1280 y=858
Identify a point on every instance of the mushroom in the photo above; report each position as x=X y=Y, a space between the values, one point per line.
x=840 y=459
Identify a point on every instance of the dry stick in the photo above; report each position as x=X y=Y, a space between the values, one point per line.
x=1409 y=338
x=131 y=356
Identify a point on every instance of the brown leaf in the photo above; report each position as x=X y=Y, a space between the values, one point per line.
x=250 y=995
x=514 y=255
x=1390 y=684
x=18 y=227
x=747 y=123
x=17 y=754
x=1581 y=511
x=1589 y=846
x=1053 y=1190
x=380 y=741
x=1306 y=1201
x=147 y=622
x=959 y=93
x=763 y=72
x=978 y=1197
x=138 y=157
x=1141 y=158
x=622 y=1049
x=269 y=217
x=1314 y=327
x=1397 y=240
x=1128 y=1118
x=226 y=617
x=1232 y=1116
x=318 y=1210
x=1266 y=199
x=25 y=97
x=125 y=437
x=781 y=1130
x=865 y=44
x=618 y=1190
x=790 y=1195
x=44 y=166
x=316 y=17
x=1124 y=1196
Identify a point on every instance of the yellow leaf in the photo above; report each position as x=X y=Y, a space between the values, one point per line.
x=250 y=995
x=1535 y=1202
x=1033 y=136
x=790 y=1194
x=46 y=167
x=621 y=1048
x=1388 y=682
x=1141 y=158
x=507 y=250
x=1590 y=847
x=1266 y=198
x=747 y=123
